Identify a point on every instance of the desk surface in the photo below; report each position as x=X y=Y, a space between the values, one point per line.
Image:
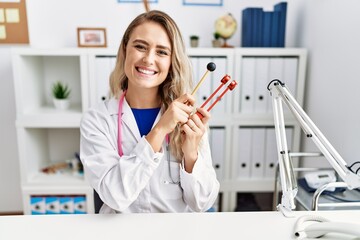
x=184 y=226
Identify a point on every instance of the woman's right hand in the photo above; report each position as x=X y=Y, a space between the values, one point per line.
x=178 y=112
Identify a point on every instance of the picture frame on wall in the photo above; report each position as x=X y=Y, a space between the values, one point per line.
x=203 y=2
x=136 y=1
x=91 y=37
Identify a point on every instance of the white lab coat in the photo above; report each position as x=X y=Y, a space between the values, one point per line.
x=139 y=180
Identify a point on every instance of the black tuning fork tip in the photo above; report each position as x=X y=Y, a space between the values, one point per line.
x=211 y=66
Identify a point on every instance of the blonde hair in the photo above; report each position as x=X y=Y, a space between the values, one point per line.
x=179 y=79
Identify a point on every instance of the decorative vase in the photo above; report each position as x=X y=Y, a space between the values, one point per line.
x=216 y=43
x=61 y=104
x=194 y=43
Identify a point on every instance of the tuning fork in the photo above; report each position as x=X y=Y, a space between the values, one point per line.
x=230 y=87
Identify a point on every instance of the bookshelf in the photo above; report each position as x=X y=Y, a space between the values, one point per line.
x=46 y=135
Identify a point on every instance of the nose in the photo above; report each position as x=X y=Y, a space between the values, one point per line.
x=149 y=58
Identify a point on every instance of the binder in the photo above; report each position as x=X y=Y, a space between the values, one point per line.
x=244 y=143
x=281 y=8
x=102 y=75
x=37 y=205
x=290 y=73
x=266 y=35
x=271 y=151
x=247 y=87
x=195 y=66
x=216 y=76
x=261 y=96
x=80 y=205
x=257 y=153
x=204 y=90
x=257 y=27
x=275 y=72
x=247 y=28
x=217 y=145
x=52 y=204
x=66 y=205
x=275 y=29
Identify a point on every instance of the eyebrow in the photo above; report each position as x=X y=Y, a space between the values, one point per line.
x=146 y=43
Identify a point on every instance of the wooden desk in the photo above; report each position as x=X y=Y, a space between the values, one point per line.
x=167 y=226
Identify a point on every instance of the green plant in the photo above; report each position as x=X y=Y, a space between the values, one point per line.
x=60 y=90
x=217 y=35
x=194 y=37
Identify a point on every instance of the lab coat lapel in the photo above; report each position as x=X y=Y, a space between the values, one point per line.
x=129 y=120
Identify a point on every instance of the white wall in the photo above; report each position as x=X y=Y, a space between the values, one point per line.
x=330 y=32
x=328 y=28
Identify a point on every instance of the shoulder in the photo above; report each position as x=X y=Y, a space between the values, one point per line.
x=101 y=111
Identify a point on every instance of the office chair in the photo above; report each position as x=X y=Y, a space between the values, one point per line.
x=97 y=202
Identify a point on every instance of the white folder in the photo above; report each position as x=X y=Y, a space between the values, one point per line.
x=257 y=153
x=270 y=153
x=247 y=85
x=204 y=90
x=271 y=150
x=275 y=72
x=261 y=80
x=102 y=75
x=217 y=75
x=217 y=145
x=243 y=147
x=290 y=74
x=195 y=73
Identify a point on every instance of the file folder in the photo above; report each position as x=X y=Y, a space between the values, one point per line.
x=80 y=205
x=205 y=90
x=37 y=205
x=66 y=205
x=247 y=87
x=103 y=68
x=244 y=142
x=271 y=150
x=290 y=74
x=275 y=72
x=217 y=145
x=52 y=204
x=261 y=80
x=217 y=75
x=257 y=152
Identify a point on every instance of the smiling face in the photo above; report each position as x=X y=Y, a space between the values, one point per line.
x=148 y=57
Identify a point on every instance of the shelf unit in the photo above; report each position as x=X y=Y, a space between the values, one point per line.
x=46 y=135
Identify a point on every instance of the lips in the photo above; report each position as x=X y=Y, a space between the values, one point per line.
x=145 y=71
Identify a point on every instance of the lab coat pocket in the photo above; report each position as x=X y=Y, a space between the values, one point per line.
x=170 y=180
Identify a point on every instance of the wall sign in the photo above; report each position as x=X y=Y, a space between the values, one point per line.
x=203 y=2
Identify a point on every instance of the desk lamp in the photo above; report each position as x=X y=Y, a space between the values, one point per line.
x=280 y=93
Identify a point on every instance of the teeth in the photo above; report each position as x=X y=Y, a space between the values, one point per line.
x=145 y=71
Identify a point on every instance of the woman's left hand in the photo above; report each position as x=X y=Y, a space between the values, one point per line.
x=193 y=130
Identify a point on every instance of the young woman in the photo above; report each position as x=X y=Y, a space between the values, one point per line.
x=144 y=150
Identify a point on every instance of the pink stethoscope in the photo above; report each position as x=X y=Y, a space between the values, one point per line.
x=120 y=149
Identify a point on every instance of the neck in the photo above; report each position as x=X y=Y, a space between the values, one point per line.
x=145 y=98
